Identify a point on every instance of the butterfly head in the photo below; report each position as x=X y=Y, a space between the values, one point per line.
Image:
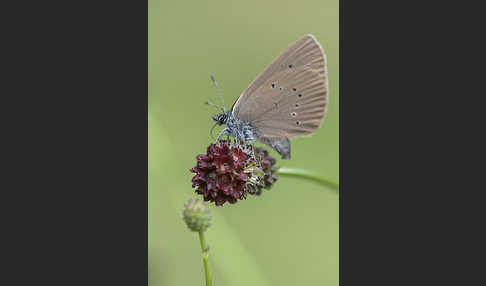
x=221 y=118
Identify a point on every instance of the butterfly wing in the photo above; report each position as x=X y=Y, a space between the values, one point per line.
x=289 y=97
x=281 y=145
x=295 y=110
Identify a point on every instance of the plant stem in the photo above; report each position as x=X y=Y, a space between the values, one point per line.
x=306 y=174
x=205 y=254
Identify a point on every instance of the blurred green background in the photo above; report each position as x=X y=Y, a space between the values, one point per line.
x=287 y=236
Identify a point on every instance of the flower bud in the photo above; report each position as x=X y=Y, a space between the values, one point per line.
x=196 y=215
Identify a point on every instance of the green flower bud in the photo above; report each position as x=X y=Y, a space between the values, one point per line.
x=196 y=215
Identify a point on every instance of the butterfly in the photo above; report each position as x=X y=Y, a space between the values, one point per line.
x=288 y=99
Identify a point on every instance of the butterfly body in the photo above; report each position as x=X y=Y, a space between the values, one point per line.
x=245 y=133
x=288 y=99
x=241 y=131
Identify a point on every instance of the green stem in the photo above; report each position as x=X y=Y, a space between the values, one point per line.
x=205 y=254
x=306 y=174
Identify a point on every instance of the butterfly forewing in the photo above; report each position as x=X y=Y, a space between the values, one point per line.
x=289 y=98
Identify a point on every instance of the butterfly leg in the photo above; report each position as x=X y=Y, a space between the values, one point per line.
x=252 y=148
x=224 y=132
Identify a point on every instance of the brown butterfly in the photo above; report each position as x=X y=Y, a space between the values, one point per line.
x=288 y=99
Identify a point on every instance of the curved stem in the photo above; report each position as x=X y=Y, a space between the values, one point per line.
x=205 y=254
x=307 y=174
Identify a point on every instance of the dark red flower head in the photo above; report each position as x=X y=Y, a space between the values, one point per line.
x=268 y=167
x=227 y=173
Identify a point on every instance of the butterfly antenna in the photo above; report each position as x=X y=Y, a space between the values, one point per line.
x=219 y=91
x=212 y=104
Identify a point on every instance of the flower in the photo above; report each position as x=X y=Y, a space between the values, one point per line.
x=228 y=173
x=220 y=175
x=196 y=215
x=267 y=164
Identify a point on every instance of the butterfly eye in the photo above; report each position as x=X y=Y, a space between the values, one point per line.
x=293 y=114
x=300 y=95
x=294 y=89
